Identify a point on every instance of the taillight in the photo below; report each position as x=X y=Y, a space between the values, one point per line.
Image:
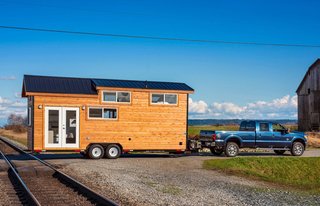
x=214 y=137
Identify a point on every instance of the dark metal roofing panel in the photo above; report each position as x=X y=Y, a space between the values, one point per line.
x=58 y=85
x=67 y=85
x=141 y=84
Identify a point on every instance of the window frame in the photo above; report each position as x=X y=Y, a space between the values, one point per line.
x=116 y=102
x=164 y=99
x=102 y=118
x=266 y=124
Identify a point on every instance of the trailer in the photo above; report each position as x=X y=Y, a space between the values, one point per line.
x=105 y=117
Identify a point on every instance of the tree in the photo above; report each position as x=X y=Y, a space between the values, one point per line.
x=15 y=119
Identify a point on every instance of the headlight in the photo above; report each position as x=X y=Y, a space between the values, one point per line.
x=305 y=136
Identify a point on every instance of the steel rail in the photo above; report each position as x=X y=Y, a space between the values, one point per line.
x=84 y=190
x=32 y=200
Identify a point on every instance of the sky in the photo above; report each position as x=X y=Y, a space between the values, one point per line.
x=230 y=81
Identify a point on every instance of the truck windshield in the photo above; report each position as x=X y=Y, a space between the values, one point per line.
x=247 y=126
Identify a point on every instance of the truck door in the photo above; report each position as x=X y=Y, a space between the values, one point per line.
x=265 y=136
x=281 y=139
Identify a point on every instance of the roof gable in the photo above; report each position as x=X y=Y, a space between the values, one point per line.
x=305 y=76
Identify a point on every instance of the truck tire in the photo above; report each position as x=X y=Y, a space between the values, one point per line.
x=215 y=151
x=96 y=151
x=279 y=152
x=113 y=151
x=297 y=149
x=232 y=149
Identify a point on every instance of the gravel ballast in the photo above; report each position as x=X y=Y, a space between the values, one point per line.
x=165 y=180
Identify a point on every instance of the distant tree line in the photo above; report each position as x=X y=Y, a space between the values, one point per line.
x=17 y=123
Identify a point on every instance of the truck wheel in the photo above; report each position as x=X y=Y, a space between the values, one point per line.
x=232 y=149
x=113 y=151
x=279 y=152
x=216 y=151
x=297 y=149
x=96 y=151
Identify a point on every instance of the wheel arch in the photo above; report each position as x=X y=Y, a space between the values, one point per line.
x=299 y=140
x=235 y=139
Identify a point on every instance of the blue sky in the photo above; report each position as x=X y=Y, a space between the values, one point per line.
x=231 y=81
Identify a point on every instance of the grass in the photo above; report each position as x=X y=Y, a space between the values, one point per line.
x=296 y=173
x=19 y=137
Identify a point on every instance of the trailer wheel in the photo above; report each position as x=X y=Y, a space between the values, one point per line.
x=216 y=151
x=232 y=149
x=96 y=151
x=113 y=151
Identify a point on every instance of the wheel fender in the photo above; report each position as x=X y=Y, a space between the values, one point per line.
x=234 y=138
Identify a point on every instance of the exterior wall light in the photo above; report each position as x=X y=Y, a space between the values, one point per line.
x=83 y=107
x=39 y=106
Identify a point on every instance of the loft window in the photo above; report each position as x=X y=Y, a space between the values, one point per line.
x=102 y=113
x=309 y=91
x=164 y=98
x=122 y=97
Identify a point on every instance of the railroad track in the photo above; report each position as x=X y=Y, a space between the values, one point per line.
x=36 y=182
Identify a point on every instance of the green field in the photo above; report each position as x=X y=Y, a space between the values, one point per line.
x=296 y=173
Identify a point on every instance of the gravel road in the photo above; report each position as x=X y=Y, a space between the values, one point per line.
x=166 y=180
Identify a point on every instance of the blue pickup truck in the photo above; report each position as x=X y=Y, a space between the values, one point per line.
x=253 y=134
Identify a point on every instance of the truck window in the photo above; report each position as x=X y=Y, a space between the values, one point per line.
x=264 y=127
x=248 y=126
x=278 y=127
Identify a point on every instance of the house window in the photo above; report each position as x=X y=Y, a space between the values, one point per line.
x=110 y=96
x=103 y=113
x=164 y=98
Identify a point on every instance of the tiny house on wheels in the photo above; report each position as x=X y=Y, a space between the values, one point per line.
x=105 y=117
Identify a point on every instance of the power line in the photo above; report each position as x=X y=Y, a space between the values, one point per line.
x=157 y=37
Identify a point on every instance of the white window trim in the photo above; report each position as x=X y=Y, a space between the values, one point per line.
x=164 y=98
x=102 y=118
x=115 y=102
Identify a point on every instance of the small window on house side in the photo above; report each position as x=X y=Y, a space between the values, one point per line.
x=109 y=113
x=109 y=96
x=95 y=112
x=164 y=98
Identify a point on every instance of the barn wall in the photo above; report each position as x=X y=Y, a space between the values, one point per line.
x=140 y=126
x=309 y=100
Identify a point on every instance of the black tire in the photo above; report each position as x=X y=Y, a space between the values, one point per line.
x=232 y=149
x=113 y=151
x=297 y=149
x=279 y=152
x=96 y=151
x=215 y=151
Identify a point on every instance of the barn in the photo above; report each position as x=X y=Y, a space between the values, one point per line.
x=105 y=117
x=309 y=99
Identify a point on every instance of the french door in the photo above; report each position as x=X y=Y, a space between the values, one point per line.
x=61 y=127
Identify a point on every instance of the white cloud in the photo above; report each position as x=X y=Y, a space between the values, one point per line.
x=7 y=107
x=280 y=108
x=8 y=78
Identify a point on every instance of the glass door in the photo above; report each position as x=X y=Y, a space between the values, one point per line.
x=70 y=127
x=61 y=127
x=53 y=121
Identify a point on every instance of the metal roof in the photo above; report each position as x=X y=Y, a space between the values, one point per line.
x=141 y=84
x=46 y=84
x=69 y=85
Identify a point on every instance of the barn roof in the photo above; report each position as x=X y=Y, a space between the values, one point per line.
x=70 y=85
x=305 y=76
